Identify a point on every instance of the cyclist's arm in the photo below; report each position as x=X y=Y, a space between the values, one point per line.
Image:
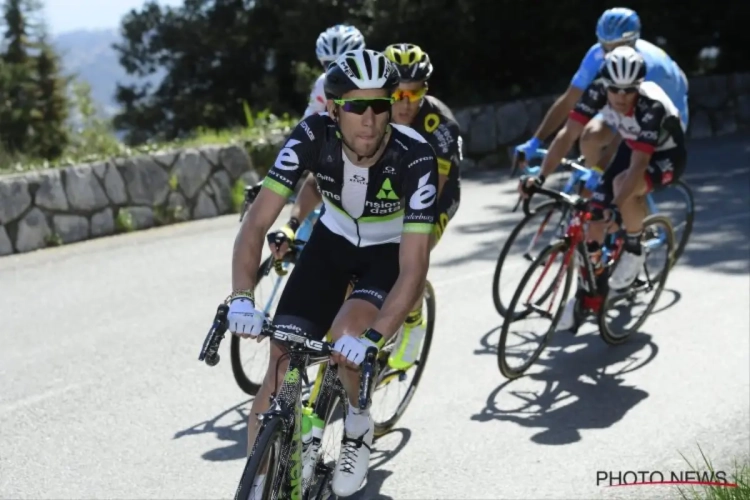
x=593 y=99
x=317 y=102
x=564 y=104
x=420 y=214
x=297 y=155
x=308 y=198
x=450 y=158
x=643 y=147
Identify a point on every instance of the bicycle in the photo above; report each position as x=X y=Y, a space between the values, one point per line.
x=280 y=430
x=591 y=300
x=280 y=270
x=575 y=184
x=251 y=382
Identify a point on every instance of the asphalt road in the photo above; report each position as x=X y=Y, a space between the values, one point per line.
x=103 y=397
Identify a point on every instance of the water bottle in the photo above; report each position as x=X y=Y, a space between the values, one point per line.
x=312 y=434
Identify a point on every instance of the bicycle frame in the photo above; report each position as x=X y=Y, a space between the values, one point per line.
x=578 y=178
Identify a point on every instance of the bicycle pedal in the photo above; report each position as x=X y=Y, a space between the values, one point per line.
x=402 y=376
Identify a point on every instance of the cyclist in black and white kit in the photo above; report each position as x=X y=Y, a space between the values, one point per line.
x=379 y=185
x=649 y=122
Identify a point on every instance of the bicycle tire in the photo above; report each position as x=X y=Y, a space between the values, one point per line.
x=250 y=387
x=382 y=428
x=546 y=207
x=688 y=193
x=604 y=330
x=561 y=246
x=272 y=432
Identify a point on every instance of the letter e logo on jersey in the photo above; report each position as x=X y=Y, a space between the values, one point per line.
x=424 y=196
x=288 y=159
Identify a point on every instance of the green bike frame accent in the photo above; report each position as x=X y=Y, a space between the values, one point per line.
x=295 y=457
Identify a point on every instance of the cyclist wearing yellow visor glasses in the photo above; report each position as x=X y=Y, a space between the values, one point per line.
x=435 y=122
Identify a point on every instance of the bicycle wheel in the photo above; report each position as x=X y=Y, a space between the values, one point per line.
x=266 y=457
x=390 y=381
x=250 y=358
x=658 y=236
x=543 y=262
x=546 y=215
x=683 y=230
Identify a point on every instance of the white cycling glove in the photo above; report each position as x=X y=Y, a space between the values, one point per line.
x=244 y=318
x=353 y=348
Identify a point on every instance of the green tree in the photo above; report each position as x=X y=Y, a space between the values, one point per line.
x=51 y=136
x=34 y=107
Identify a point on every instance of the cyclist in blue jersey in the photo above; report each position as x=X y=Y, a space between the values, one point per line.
x=598 y=143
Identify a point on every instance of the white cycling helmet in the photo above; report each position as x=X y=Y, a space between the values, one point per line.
x=360 y=69
x=623 y=67
x=336 y=40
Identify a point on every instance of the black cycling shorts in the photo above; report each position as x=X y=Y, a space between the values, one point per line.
x=318 y=283
x=664 y=168
x=448 y=203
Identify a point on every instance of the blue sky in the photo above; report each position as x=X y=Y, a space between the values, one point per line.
x=69 y=15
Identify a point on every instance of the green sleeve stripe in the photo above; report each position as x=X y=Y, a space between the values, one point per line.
x=277 y=187
x=418 y=227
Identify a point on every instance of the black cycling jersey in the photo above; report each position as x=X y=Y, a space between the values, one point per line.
x=366 y=205
x=652 y=125
x=436 y=123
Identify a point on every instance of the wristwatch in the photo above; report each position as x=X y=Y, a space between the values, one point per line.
x=374 y=337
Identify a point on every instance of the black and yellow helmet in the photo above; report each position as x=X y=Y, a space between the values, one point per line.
x=412 y=62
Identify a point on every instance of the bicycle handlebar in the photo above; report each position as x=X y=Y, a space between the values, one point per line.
x=209 y=351
x=575 y=201
x=573 y=164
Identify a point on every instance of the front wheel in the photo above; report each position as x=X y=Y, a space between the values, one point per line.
x=392 y=382
x=522 y=306
x=264 y=460
x=519 y=251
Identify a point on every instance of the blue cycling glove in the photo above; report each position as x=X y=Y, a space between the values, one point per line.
x=593 y=180
x=529 y=148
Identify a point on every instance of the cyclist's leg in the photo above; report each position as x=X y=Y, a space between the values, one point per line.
x=377 y=269
x=600 y=200
x=316 y=272
x=595 y=140
x=664 y=168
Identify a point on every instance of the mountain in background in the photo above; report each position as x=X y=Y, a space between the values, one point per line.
x=89 y=55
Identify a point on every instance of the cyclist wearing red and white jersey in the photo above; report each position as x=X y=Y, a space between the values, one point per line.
x=330 y=45
x=649 y=122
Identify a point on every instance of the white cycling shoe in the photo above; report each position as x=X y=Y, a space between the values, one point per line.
x=354 y=461
x=627 y=270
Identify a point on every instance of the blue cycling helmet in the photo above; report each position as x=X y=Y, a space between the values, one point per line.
x=618 y=24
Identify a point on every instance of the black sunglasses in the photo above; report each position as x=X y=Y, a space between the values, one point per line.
x=621 y=90
x=359 y=106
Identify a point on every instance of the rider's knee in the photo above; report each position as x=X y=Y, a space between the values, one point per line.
x=595 y=133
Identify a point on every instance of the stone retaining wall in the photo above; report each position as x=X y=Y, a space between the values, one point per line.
x=53 y=207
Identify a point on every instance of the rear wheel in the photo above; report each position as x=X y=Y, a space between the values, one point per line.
x=683 y=229
x=618 y=307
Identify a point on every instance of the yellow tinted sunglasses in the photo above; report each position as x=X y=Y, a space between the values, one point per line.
x=412 y=95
